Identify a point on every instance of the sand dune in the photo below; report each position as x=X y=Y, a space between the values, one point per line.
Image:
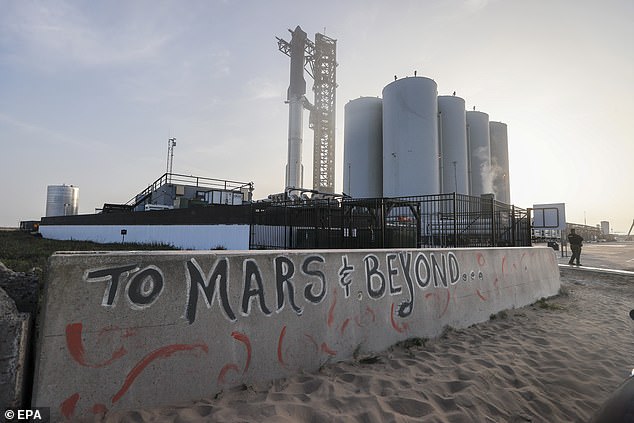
x=555 y=361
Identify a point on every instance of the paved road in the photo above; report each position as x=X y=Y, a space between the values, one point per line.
x=607 y=255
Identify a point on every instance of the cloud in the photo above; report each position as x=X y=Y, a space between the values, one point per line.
x=58 y=34
x=45 y=135
x=259 y=88
x=185 y=82
x=474 y=6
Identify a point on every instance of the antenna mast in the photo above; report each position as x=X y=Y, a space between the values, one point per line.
x=171 y=143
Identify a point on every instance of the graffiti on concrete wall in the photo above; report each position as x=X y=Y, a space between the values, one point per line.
x=235 y=288
x=298 y=282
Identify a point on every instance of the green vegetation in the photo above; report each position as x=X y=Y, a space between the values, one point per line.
x=543 y=304
x=22 y=252
x=372 y=359
x=499 y=315
x=411 y=343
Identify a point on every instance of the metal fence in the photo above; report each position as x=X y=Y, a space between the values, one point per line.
x=445 y=220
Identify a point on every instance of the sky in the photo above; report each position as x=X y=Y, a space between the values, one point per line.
x=90 y=92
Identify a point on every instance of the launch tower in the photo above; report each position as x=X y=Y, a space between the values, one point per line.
x=319 y=61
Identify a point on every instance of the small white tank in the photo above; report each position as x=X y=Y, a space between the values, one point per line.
x=454 y=154
x=410 y=138
x=500 y=161
x=363 y=148
x=479 y=153
x=605 y=227
x=62 y=200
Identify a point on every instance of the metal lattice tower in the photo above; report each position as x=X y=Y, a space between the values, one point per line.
x=321 y=64
x=322 y=119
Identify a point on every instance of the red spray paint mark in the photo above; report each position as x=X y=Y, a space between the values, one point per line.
x=482 y=297
x=223 y=372
x=368 y=311
x=399 y=328
x=446 y=304
x=437 y=297
x=481 y=260
x=280 y=345
x=67 y=408
x=312 y=341
x=164 y=352
x=245 y=340
x=503 y=264
x=108 y=329
x=522 y=259
x=128 y=333
x=76 y=347
x=327 y=350
x=331 y=310
x=280 y=341
x=495 y=282
x=344 y=325
x=99 y=409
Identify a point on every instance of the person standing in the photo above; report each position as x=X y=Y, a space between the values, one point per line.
x=576 y=241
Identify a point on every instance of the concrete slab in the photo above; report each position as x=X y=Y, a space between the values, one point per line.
x=607 y=255
x=137 y=329
x=14 y=346
x=602 y=270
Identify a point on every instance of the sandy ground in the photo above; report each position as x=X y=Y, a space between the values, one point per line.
x=555 y=361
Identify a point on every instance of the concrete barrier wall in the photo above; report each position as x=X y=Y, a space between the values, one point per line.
x=138 y=329
x=192 y=237
x=15 y=332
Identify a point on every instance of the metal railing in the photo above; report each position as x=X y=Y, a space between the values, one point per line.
x=189 y=180
x=433 y=221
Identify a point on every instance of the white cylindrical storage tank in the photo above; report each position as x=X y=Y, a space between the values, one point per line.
x=410 y=138
x=500 y=161
x=62 y=200
x=363 y=148
x=452 y=129
x=605 y=227
x=479 y=153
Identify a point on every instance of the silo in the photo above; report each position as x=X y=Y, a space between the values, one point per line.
x=62 y=200
x=363 y=148
x=454 y=154
x=410 y=138
x=500 y=161
x=479 y=146
x=605 y=227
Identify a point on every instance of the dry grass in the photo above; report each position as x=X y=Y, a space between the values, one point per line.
x=23 y=252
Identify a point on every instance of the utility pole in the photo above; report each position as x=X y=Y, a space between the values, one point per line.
x=171 y=143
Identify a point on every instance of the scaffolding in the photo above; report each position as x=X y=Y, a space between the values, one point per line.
x=322 y=117
x=320 y=62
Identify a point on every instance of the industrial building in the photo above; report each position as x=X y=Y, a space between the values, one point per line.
x=419 y=170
